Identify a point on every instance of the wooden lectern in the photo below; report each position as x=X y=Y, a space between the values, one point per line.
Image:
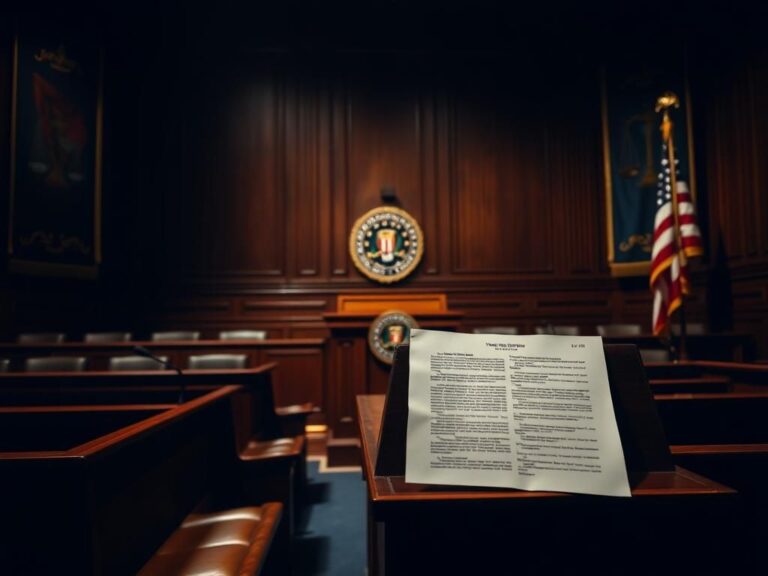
x=353 y=369
x=676 y=522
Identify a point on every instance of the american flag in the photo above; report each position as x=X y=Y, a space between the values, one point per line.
x=669 y=273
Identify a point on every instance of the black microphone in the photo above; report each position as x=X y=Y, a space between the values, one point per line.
x=141 y=351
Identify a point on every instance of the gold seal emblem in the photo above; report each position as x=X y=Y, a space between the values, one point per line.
x=387 y=331
x=386 y=244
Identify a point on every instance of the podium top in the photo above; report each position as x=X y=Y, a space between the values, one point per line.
x=642 y=436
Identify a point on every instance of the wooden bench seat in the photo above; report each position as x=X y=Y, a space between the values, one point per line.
x=232 y=542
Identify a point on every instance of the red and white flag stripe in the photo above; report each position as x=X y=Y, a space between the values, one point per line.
x=669 y=277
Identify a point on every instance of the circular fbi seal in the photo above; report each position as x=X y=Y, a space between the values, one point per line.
x=389 y=329
x=386 y=244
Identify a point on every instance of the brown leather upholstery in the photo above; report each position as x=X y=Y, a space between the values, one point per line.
x=232 y=542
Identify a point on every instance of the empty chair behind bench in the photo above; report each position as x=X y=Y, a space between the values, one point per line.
x=217 y=361
x=103 y=337
x=175 y=335
x=128 y=363
x=40 y=338
x=243 y=335
x=55 y=364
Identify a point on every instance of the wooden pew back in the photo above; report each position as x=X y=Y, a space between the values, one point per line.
x=38 y=428
x=717 y=418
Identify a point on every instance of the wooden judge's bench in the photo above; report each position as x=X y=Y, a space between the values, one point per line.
x=354 y=370
x=676 y=522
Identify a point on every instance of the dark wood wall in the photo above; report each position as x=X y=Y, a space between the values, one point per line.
x=242 y=146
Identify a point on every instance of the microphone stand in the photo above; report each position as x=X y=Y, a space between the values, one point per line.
x=141 y=351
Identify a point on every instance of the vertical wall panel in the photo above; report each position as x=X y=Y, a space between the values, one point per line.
x=384 y=147
x=306 y=184
x=339 y=179
x=500 y=188
x=229 y=217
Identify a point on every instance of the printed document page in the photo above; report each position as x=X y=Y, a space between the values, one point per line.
x=528 y=412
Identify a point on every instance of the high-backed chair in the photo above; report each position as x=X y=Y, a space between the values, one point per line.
x=559 y=330
x=512 y=330
x=129 y=363
x=217 y=361
x=55 y=364
x=175 y=335
x=5 y=364
x=619 y=329
x=102 y=337
x=243 y=335
x=41 y=338
x=654 y=355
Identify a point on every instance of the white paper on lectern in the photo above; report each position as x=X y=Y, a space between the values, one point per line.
x=527 y=412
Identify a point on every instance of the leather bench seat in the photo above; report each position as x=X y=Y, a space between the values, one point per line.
x=231 y=542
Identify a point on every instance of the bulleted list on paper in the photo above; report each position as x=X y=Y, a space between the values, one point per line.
x=528 y=412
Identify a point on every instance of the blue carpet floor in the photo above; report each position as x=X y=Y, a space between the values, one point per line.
x=331 y=533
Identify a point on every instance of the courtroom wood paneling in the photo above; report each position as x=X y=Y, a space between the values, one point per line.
x=236 y=163
x=383 y=118
x=735 y=118
x=228 y=215
x=308 y=187
x=299 y=377
x=499 y=143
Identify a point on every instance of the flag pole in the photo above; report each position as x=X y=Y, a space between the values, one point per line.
x=663 y=104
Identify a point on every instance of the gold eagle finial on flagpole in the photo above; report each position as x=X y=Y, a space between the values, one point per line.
x=667 y=100
x=663 y=104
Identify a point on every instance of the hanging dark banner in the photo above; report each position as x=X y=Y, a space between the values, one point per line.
x=55 y=158
x=631 y=148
